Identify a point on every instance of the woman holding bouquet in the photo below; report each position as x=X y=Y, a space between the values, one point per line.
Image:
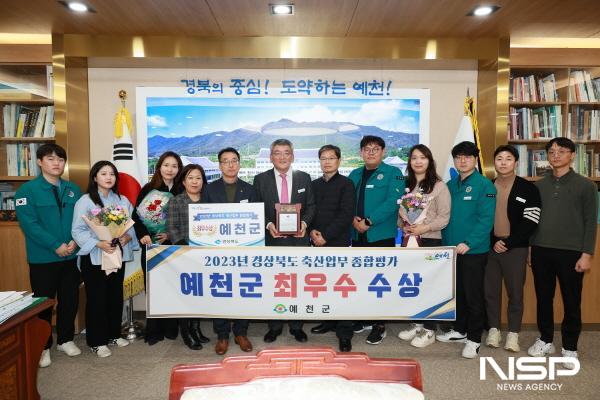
x=150 y=227
x=191 y=180
x=104 y=289
x=423 y=178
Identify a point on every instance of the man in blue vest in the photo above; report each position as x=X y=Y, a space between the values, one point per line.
x=378 y=186
x=471 y=221
x=45 y=213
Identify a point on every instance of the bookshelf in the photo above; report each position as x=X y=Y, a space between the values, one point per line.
x=26 y=122
x=551 y=101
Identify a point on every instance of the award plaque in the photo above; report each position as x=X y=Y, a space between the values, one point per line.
x=287 y=219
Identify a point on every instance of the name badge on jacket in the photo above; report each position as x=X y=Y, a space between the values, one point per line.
x=467 y=198
x=301 y=190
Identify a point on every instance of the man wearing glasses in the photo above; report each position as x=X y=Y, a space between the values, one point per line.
x=283 y=185
x=334 y=197
x=469 y=229
x=229 y=189
x=378 y=186
x=562 y=248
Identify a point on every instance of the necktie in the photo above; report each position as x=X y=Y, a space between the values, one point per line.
x=285 y=198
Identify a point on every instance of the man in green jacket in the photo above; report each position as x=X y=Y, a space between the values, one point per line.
x=45 y=213
x=378 y=187
x=471 y=221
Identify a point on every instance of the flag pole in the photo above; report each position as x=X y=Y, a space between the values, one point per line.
x=131 y=330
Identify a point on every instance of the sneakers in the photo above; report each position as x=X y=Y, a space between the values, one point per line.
x=45 y=359
x=571 y=354
x=69 y=348
x=471 y=349
x=377 y=334
x=451 y=336
x=424 y=338
x=411 y=332
x=512 y=342
x=101 y=351
x=359 y=327
x=541 y=349
x=493 y=338
x=119 y=342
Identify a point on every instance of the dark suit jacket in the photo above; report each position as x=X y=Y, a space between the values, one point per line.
x=265 y=190
x=215 y=192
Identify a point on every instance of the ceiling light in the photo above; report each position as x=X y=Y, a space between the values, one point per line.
x=483 y=11
x=77 y=6
x=282 y=9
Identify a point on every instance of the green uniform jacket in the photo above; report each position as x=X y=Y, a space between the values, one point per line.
x=45 y=227
x=471 y=214
x=382 y=192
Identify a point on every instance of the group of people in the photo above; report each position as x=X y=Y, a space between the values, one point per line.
x=496 y=226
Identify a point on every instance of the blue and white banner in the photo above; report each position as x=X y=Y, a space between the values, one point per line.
x=301 y=283
x=227 y=224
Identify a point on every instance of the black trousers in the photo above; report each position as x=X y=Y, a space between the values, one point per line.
x=104 y=306
x=343 y=329
x=158 y=328
x=391 y=242
x=470 y=301
x=547 y=265
x=222 y=327
x=58 y=280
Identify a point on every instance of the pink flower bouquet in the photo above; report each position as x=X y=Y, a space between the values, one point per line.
x=413 y=211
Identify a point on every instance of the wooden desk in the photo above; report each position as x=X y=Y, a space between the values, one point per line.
x=22 y=339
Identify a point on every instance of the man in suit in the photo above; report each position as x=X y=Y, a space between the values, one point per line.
x=283 y=185
x=229 y=189
x=335 y=198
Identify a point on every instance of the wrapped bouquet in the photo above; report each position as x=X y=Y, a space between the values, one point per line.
x=153 y=211
x=413 y=211
x=109 y=223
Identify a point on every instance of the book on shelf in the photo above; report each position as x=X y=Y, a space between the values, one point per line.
x=582 y=88
x=532 y=162
x=583 y=160
x=21 y=159
x=27 y=121
x=533 y=89
x=535 y=123
x=583 y=123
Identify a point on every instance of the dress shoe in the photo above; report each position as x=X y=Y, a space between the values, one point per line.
x=322 y=328
x=345 y=345
x=244 y=343
x=222 y=346
x=152 y=340
x=195 y=331
x=271 y=336
x=299 y=335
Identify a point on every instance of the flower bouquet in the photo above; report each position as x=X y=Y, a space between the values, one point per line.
x=413 y=210
x=153 y=211
x=109 y=223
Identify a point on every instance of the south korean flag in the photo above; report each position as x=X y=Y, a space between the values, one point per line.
x=21 y=202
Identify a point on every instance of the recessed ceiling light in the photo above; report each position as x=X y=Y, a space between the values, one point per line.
x=77 y=6
x=282 y=9
x=483 y=11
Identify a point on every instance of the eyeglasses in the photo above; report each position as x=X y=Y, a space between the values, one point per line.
x=328 y=159
x=230 y=162
x=464 y=158
x=559 y=153
x=371 y=150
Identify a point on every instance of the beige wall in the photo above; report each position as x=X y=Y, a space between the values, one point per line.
x=448 y=89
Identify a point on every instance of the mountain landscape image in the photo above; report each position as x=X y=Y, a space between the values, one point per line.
x=200 y=127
